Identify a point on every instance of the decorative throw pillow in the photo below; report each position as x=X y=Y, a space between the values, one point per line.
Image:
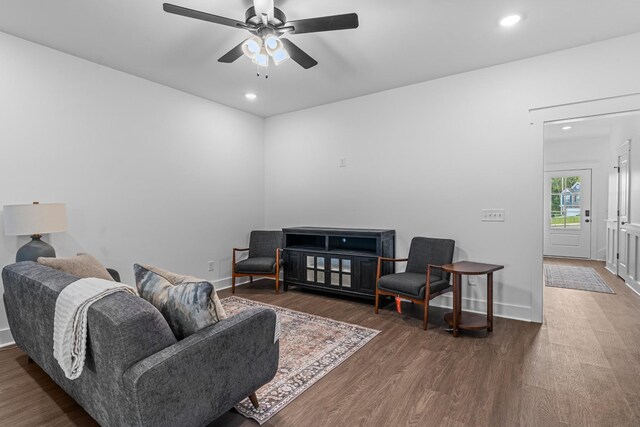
x=187 y=303
x=83 y=266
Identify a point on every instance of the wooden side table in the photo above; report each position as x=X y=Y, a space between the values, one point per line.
x=464 y=320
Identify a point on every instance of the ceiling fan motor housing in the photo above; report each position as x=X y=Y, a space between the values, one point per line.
x=252 y=19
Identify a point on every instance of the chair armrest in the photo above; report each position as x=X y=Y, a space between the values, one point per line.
x=393 y=259
x=199 y=378
x=431 y=266
x=233 y=258
x=114 y=273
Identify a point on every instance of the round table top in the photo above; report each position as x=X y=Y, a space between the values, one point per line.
x=471 y=268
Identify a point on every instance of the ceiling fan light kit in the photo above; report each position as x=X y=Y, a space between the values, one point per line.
x=268 y=24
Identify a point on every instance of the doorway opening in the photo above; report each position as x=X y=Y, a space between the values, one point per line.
x=588 y=204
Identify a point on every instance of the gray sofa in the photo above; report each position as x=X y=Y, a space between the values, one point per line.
x=136 y=373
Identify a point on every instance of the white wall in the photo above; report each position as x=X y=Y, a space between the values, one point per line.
x=594 y=154
x=149 y=174
x=425 y=159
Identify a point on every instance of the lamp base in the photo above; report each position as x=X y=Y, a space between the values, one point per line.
x=34 y=249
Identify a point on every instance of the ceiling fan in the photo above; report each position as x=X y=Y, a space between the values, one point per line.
x=267 y=24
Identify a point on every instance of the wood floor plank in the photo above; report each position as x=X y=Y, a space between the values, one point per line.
x=605 y=393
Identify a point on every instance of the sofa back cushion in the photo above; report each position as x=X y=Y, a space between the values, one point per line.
x=82 y=265
x=186 y=302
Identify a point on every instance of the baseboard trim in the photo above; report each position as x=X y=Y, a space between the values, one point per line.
x=610 y=270
x=6 y=339
x=225 y=283
x=635 y=287
x=508 y=311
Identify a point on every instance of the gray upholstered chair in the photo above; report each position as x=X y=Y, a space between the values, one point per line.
x=422 y=280
x=264 y=258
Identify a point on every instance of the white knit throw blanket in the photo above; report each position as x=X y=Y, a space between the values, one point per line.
x=70 y=321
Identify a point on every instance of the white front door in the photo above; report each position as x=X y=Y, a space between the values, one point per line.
x=567 y=205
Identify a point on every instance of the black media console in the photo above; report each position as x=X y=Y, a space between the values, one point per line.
x=339 y=260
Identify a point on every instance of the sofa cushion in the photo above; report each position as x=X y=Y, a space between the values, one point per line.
x=187 y=303
x=262 y=265
x=82 y=265
x=411 y=284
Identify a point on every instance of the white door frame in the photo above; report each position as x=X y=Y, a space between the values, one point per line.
x=538 y=117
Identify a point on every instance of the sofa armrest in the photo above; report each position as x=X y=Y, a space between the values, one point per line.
x=199 y=378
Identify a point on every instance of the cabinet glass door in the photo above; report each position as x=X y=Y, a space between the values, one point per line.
x=346 y=273
x=315 y=269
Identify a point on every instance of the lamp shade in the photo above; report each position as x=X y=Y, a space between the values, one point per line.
x=26 y=220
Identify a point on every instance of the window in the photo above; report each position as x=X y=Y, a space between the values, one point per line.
x=565 y=202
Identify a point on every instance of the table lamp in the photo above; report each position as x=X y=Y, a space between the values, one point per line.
x=35 y=220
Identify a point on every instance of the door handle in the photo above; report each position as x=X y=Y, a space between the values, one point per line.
x=622 y=223
x=587 y=220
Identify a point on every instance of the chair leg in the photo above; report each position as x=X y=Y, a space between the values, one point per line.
x=233 y=283
x=425 y=322
x=377 y=301
x=254 y=400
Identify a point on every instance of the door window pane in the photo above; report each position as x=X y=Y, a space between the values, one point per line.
x=565 y=202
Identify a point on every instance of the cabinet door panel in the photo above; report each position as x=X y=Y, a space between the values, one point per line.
x=292 y=266
x=365 y=274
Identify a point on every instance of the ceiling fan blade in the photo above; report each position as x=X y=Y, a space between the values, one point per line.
x=325 y=23
x=232 y=55
x=298 y=54
x=264 y=6
x=196 y=14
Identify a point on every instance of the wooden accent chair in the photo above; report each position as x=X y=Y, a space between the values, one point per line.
x=264 y=258
x=422 y=280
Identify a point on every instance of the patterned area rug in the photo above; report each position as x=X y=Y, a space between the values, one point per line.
x=581 y=278
x=310 y=347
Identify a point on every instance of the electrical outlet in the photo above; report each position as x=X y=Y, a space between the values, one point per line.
x=473 y=280
x=212 y=265
x=492 y=215
x=342 y=163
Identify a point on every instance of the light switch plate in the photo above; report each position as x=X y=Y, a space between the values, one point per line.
x=212 y=265
x=492 y=215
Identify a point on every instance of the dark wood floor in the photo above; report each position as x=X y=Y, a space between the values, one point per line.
x=580 y=368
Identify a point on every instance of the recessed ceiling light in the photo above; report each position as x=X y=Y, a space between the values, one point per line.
x=566 y=127
x=510 y=21
x=250 y=96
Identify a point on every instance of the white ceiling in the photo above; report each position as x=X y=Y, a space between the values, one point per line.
x=591 y=127
x=399 y=42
